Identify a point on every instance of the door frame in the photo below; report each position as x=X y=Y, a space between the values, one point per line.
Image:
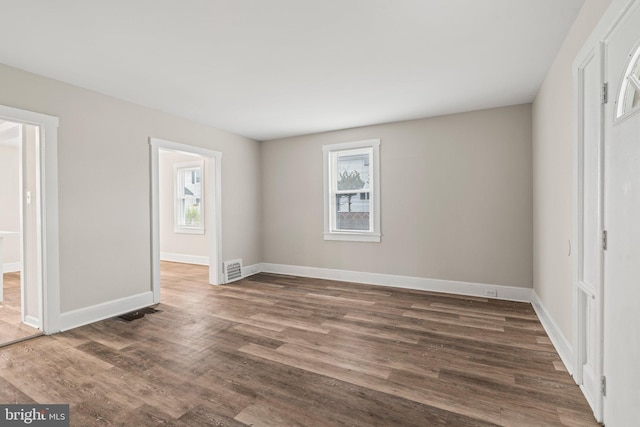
x=213 y=205
x=582 y=291
x=48 y=241
x=24 y=167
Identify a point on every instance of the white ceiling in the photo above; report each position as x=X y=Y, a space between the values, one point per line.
x=274 y=68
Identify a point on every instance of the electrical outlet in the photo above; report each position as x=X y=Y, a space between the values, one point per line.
x=491 y=293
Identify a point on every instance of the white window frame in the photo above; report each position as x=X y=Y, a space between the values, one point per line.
x=177 y=182
x=626 y=83
x=371 y=146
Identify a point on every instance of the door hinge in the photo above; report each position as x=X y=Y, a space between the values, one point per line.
x=603 y=385
x=604 y=240
x=605 y=93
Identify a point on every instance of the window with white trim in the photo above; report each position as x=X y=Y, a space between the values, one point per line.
x=352 y=191
x=189 y=211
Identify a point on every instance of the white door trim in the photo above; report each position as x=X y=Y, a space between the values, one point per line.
x=213 y=188
x=584 y=294
x=49 y=286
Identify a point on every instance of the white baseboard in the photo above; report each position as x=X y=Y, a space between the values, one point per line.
x=250 y=270
x=12 y=267
x=560 y=342
x=185 y=259
x=511 y=293
x=32 y=321
x=84 y=316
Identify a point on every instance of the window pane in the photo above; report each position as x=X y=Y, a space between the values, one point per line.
x=192 y=212
x=352 y=172
x=353 y=212
x=636 y=70
x=189 y=182
x=631 y=98
x=631 y=88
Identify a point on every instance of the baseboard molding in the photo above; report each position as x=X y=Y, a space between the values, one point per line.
x=510 y=293
x=12 y=267
x=185 y=259
x=560 y=342
x=84 y=316
x=32 y=321
x=250 y=270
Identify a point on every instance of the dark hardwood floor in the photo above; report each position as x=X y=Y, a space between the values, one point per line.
x=11 y=327
x=276 y=350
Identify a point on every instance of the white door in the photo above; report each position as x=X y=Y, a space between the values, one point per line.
x=622 y=221
x=588 y=258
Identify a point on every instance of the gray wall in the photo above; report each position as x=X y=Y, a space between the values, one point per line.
x=456 y=199
x=104 y=186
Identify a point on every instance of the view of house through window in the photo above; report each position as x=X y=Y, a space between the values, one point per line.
x=352 y=191
x=188 y=202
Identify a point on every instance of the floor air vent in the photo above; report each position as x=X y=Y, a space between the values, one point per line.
x=232 y=270
x=138 y=314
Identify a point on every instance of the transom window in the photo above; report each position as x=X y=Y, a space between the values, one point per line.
x=189 y=214
x=629 y=97
x=352 y=196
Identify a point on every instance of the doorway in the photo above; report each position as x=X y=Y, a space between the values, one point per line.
x=39 y=218
x=184 y=162
x=20 y=232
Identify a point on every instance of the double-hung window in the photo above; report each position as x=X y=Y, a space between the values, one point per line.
x=189 y=212
x=352 y=191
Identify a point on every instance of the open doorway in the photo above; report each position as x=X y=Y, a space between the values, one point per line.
x=46 y=204
x=185 y=208
x=20 y=232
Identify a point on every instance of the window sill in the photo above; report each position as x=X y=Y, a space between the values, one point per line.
x=188 y=230
x=353 y=237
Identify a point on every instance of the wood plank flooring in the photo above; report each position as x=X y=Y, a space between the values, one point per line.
x=11 y=327
x=276 y=350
